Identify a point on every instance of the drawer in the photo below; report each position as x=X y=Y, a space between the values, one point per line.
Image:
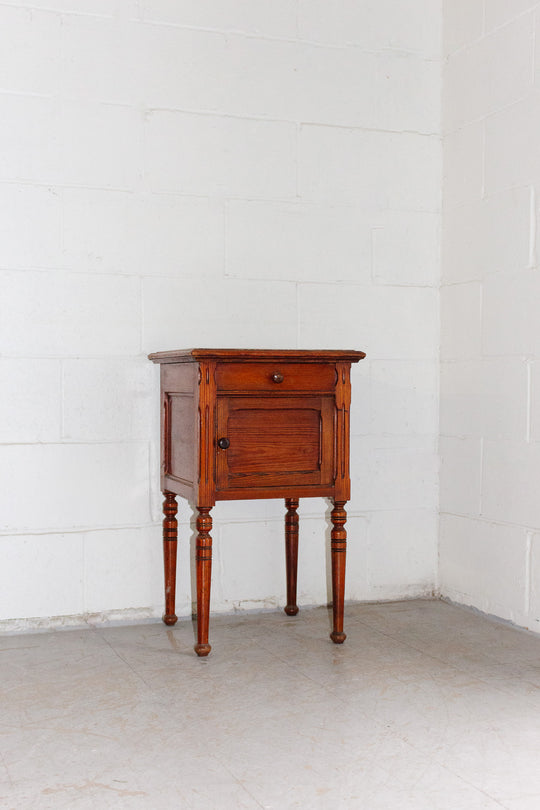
x=276 y=377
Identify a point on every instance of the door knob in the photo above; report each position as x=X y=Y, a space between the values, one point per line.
x=223 y=443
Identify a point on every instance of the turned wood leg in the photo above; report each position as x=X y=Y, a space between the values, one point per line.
x=338 y=551
x=204 y=571
x=291 y=554
x=170 y=538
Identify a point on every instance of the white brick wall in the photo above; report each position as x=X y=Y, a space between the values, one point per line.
x=485 y=559
x=316 y=242
x=375 y=170
x=374 y=26
x=278 y=19
x=488 y=73
x=219 y=173
x=490 y=333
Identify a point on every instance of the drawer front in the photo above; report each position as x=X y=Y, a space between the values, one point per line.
x=276 y=377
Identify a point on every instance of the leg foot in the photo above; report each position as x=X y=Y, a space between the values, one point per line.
x=338 y=552
x=291 y=554
x=204 y=574
x=170 y=538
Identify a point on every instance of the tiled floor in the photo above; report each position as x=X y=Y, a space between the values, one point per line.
x=426 y=707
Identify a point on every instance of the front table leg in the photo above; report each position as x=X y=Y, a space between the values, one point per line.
x=170 y=538
x=291 y=554
x=338 y=551
x=204 y=572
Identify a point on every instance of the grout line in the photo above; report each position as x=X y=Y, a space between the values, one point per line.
x=480 y=118
x=258 y=118
x=225 y=211
x=219 y=521
x=373 y=275
x=151 y=489
x=532 y=228
x=296 y=40
x=141 y=315
x=62 y=403
x=481 y=482
x=87 y=529
x=528 y=403
x=483 y=161
x=84 y=594
x=489 y=520
x=122 y=658
x=528 y=574
x=29 y=6
x=76 y=442
x=298 y=133
x=485 y=33
x=481 y=322
x=533 y=60
x=298 y=319
x=211 y=196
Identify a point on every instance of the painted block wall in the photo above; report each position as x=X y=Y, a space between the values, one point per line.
x=211 y=173
x=490 y=329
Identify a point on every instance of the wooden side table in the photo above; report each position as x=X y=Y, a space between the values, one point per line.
x=241 y=424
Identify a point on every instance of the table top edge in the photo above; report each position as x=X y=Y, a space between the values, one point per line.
x=301 y=355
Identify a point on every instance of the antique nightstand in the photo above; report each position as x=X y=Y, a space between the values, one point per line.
x=247 y=423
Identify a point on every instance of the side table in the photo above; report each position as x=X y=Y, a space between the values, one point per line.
x=249 y=423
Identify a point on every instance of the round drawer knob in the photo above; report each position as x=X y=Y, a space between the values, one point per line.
x=224 y=443
x=277 y=377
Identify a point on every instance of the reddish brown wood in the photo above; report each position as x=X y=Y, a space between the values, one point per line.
x=272 y=440
x=203 y=559
x=338 y=552
x=179 y=438
x=276 y=377
x=275 y=441
x=291 y=554
x=170 y=536
x=266 y=355
x=206 y=490
x=342 y=481
x=246 y=423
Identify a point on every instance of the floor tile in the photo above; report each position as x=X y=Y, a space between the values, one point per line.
x=425 y=706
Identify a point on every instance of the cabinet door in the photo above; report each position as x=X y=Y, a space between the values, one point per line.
x=275 y=442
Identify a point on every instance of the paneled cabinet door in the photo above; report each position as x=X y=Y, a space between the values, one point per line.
x=274 y=441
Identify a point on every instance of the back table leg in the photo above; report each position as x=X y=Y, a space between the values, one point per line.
x=170 y=539
x=291 y=554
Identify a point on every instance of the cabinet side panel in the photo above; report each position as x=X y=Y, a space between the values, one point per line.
x=179 y=462
x=180 y=378
x=179 y=422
